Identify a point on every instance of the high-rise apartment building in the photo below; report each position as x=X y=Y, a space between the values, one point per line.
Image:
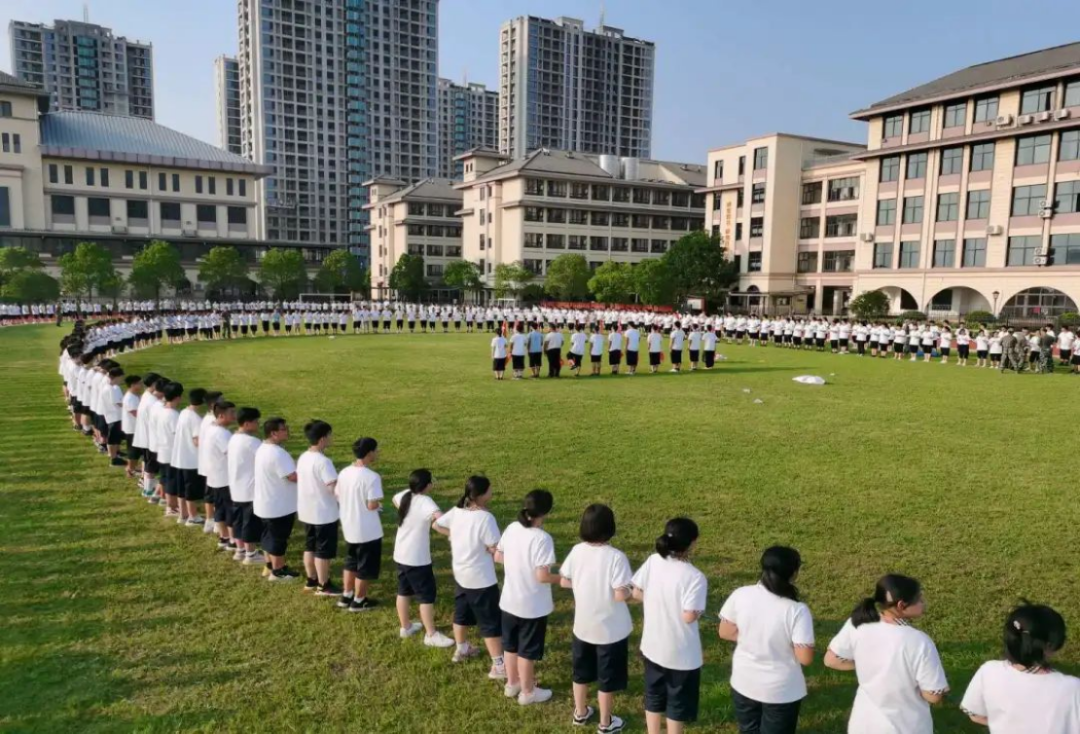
x=468 y=118
x=85 y=67
x=333 y=93
x=227 y=86
x=567 y=88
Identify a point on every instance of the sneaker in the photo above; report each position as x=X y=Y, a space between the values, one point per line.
x=511 y=691
x=345 y=601
x=327 y=589
x=311 y=584
x=363 y=605
x=195 y=521
x=254 y=559
x=283 y=574
x=266 y=571
x=208 y=525
x=117 y=462
x=464 y=654
x=497 y=672
x=583 y=719
x=222 y=544
x=407 y=632
x=181 y=520
x=170 y=512
x=538 y=695
x=239 y=555
x=438 y=640
x=615 y=726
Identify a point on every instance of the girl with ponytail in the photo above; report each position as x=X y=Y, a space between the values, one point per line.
x=673 y=592
x=898 y=667
x=773 y=634
x=412 y=555
x=1022 y=693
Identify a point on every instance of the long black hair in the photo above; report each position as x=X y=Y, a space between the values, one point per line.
x=419 y=480
x=679 y=534
x=475 y=486
x=537 y=504
x=1033 y=632
x=779 y=564
x=891 y=589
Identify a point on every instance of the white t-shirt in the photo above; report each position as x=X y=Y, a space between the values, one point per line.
x=356 y=487
x=207 y=421
x=525 y=550
x=498 y=348
x=316 y=503
x=185 y=452
x=671 y=587
x=595 y=572
x=577 y=342
x=764 y=667
x=517 y=345
x=633 y=339
x=656 y=343
x=1016 y=702
x=114 y=409
x=127 y=420
x=472 y=532
x=893 y=663
x=215 y=444
x=412 y=545
x=275 y=496
x=596 y=344
x=241 y=458
x=163 y=427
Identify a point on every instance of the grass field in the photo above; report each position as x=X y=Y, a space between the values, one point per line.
x=117 y=620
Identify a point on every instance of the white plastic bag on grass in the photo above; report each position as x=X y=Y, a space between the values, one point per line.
x=809 y=380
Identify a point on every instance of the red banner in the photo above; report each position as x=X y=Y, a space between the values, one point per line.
x=589 y=306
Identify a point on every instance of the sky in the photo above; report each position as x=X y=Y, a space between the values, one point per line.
x=726 y=70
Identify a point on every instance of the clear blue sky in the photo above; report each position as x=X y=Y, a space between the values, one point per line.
x=725 y=70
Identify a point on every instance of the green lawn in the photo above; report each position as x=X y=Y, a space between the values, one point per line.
x=117 y=620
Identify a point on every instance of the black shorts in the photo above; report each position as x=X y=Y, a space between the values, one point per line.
x=194 y=485
x=981 y=353
x=834 y=344
x=100 y=424
x=673 y=693
x=498 y=364
x=518 y=361
x=151 y=465
x=945 y=351
x=114 y=435
x=676 y=356
x=535 y=359
x=631 y=358
x=575 y=359
x=222 y=502
x=246 y=526
x=478 y=608
x=604 y=663
x=995 y=358
x=276 y=532
x=322 y=540
x=168 y=478
x=1065 y=355
x=1075 y=359
x=963 y=350
x=418 y=581
x=654 y=359
x=710 y=357
x=277 y=326
x=364 y=559
x=898 y=348
x=596 y=358
x=694 y=355
x=128 y=439
x=844 y=343
x=524 y=637
x=614 y=357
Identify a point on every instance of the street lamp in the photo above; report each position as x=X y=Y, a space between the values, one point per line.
x=996 y=295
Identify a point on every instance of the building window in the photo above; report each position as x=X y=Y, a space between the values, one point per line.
x=137 y=210
x=598 y=244
x=952 y=161
x=913 y=209
x=844 y=189
x=579 y=191
x=482 y=242
x=909 y=255
x=882 y=255
x=1033 y=149
x=198 y=188
x=974 y=253
x=534 y=240
x=1028 y=201
x=886 y=212
x=620 y=244
x=1070 y=146
x=738 y=231
x=600 y=219
x=916 y=165
x=890 y=168
x=718 y=171
x=955 y=114
x=575 y=242
x=242 y=186
x=1067 y=197
x=534 y=187
x=638 y=244
x=534 y=214
x=5 y=207
x=811 y=192
x=104 y=177
x=920 y=121
x=841 y=225
x=757 y=193
x=89 y=176
x=99 y=209
x=129 y=179
x=16 y=142
x=556 y=242
x=143 y=180
x=162 y=182
x=69 y=175
x=5 y=109
x=944 y=253
x=1023 y=250
x=556 y=188
x=948 y=207
x=753 y=262
x=757 y=227
x=63 y=205
x=807 y=262
x=761 y=159
x=5 y=142
x=978 y=204
x=658 y=246
x=621 y=194
x=170 y=211
x=839 y=261
x=54 y=174
x=986 y=109
x=1038 y=99
x=555 y=216
x=1064 y=249
x=809 y=228
x=579 y=216
x=229 y=187
x=212 y=185
x=176 y=182
x=894 y=126
x=435 y=270
x=206 y=214
x=739 y=196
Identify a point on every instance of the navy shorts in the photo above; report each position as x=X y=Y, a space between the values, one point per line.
x=524 y=637
x=604 y=663
x=250 y=526
x=194 y=485
x=614 y=357
x=418 y=581
x=676 y=356
x=364 y=559
x=222 y=501
x=114 y=435
x=631 y=358
x=478 y=608
x=673 y=693
x=168 y=478
x=276 y=532
x=322 y=540
x=535 y=359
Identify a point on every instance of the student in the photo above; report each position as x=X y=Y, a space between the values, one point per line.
x=247 y=527
x=633 y=343
x=898 y=666
x=674 y=596
x=129 y=418
x=141 y=434
x=214 y=441
x=596 y=350
x=416 y=512
x=114 y=413
x=212 y=398
x=577 y=349
x=163 y=429
x=474 y=536
x=599 y=576
x=186 y=458
x=773 y=634
x=553 y=343
x=1022 y=694
x=360 y=493
x=656 y=348
x=317 y=508
x=695 y=347
x=709 y=345
x=536 y=349
x=498 y=355
x=963 y=345
x=517 y=350
x=615 y=345
x=275 y=498
x=676 y=339
x=527 y=553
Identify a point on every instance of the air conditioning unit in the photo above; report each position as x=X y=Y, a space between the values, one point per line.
x=1062 y=114
x=1003 y=120
x=867 y=237
x=1047 y=213
x=188 y=232
x=1040 y=259
x=1046 y=204
x=994 y=230
x=119 y=229
x=1025 y=119
x=1044 y=116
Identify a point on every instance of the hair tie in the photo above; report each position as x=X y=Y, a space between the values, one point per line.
x=1016 y=624
x=671 y=535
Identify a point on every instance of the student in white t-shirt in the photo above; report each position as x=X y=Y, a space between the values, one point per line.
x=498 y=355
x=317 y=508
x=474 y=536
x=577 y=348
x=773 y=634
x=527 y=553
x=898 y=666
x=633 y=343
x=185 y=457
x=360 y=494
x=709 y=346
x=128 y=420
x=1022 y=694
x=247 y=528
x=673 y=592
x=214 y=442
x=416 y=512
x=596 y=350
x=678 y=336
x=113 y=401
x=275 y=498
x=600 y=576
x=518 y=344
x=655 y=341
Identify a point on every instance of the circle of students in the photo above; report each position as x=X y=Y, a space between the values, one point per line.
x=246 y=489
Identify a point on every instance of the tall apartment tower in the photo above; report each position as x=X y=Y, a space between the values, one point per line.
x=563 y=87
x=85 y=67
x=227 y=87
x=333 y=93
x=468 y=118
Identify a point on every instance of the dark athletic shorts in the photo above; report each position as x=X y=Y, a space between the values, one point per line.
x=676 y=357
x=614 y=357
x=133 y=453
x=194 y=485
x=596 y=358
x=246 y=525
x=518 y=361
x=604 y=663
x=575 y=359
x=151 y=464
x=535 y=359
x=654 y=359
x=478 y=608
x=498 y=364
x=631 y=358
x=364 y=559
x=168 y=478
x=981 y=353
x=114 y=435
x=418 y=581
x=222 y=502
x=694 y=355
x=673 y=693
x=525 y=637
x=276 y=532
x=322 y=540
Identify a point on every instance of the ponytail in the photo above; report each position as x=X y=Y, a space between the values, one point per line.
x=891 y=590
x=419 y=481
x=679 y=534
x=1033 y=632
x=475 y=486
x=779 y=564
x=865 y=612
x=537 y=504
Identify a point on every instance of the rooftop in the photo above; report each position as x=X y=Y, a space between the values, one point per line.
x=13 y=84
x=431 y=189
x=582 y=165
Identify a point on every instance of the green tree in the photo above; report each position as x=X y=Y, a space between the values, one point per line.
x=283 y=272
x=511 y=279
x=15 y=260
x=612 y=283
x=341 y=270
x=31 y=286
x=567 y=278
x=652 y=283
x=155 y=267
x=697 y=267
x=86 y=269
x=223 y=270
x=464 y=275
x=407 y=277
x=869 y=305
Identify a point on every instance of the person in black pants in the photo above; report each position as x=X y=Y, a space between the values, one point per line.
x=553 y=343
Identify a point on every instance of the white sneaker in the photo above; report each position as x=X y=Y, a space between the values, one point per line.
x=195 y=521
x=239 y=555
x=405 y=633
x=181 y=520
x=208 y=526
x=615 y=726
x=468 y=652
x=497 y=672
x=254 y=559
x=511 y=691
x=538 y=695
x=438 y=640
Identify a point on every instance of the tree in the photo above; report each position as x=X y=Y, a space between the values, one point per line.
x=697 y=267
x=407 y=277
x=612 y=283
x=567 y=278
x=283 y=272
x=17 y=259
x=155 y=267
x=511 y=279
x=223 y=269
x=31 y=286
x=869 y=304
x=341 y=270
x=464 y=275
x=652 y=282
x=85 y=269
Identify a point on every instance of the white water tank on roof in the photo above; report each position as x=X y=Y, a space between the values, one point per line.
x=630 y=169
x=610 y=164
